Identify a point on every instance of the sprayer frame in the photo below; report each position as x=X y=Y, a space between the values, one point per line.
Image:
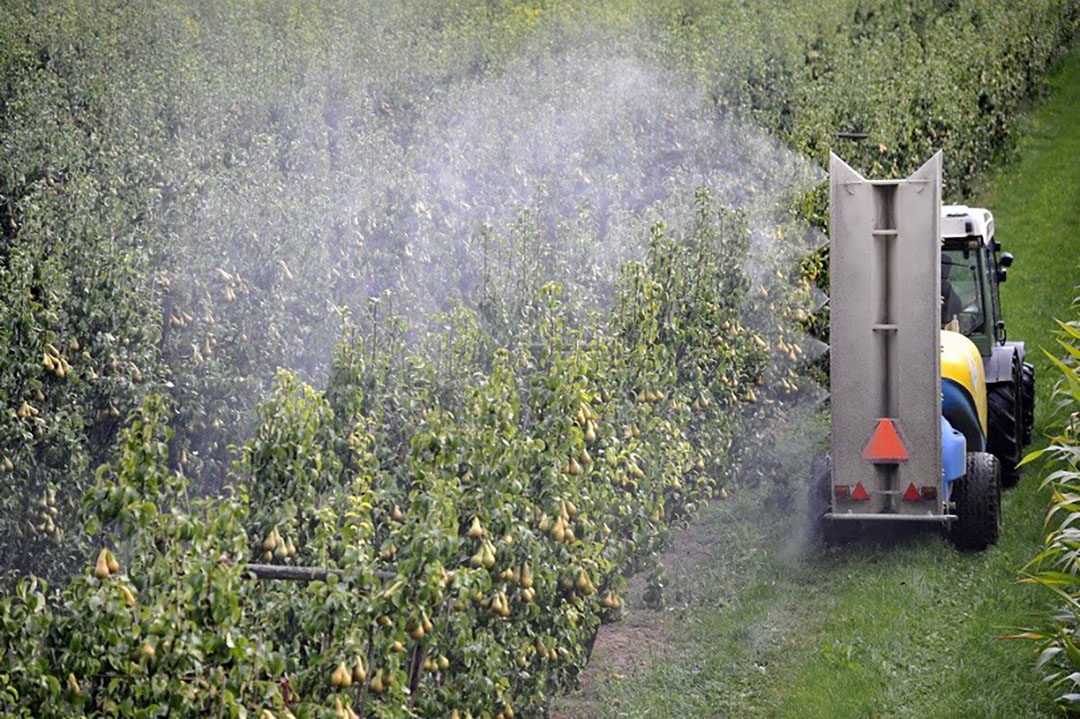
x=885 y=365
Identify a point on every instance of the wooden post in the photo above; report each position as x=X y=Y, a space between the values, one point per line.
x=288 y=573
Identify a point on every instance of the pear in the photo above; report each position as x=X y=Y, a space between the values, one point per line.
x=129 y=597
x=476 y=531
x=590 y=432
x=443 y=662
x=377 y=684
x=358 y=671
x=9 y=466
x=526 y=576
x=477 y=560
x=586 y=458
x=573 y=468
x=341 y=678
x=426 y=623
x=489 y=555
x=101 y=567
x=397 y=515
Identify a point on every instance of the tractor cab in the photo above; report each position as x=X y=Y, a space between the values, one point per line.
x=971 y=270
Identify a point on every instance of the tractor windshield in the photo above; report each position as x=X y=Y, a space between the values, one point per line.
x=961 y=295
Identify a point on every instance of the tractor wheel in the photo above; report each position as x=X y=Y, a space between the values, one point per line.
x=819 y=501
x=1027 y=399
x=1004 y=411
x=977 y=500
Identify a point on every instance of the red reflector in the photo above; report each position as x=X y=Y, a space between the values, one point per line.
x=842 y=491
x=860 y=494
x=912 y=494
x=929 y=492
x=885 y=445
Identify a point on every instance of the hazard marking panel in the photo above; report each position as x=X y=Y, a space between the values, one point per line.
x=885 y=445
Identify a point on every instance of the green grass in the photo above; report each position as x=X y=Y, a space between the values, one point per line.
x=892 y=628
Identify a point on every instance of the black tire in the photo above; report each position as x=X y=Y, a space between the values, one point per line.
x=818 y=498
x=819 y=501
x=1006 y=425
x=1027 y=400
x=976 y=498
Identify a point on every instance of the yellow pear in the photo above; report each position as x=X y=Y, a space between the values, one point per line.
x=358 y=672
x=341 y=677
x=101 y=567
x=476 y=531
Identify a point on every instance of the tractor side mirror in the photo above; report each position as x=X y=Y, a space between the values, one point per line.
x=1006 y=259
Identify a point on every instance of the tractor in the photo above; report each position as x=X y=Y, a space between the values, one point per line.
x=931 y=404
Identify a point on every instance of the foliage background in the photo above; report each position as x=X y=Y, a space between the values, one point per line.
x=379 y=198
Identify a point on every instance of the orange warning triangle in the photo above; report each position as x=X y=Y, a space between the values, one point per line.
x=885 y=446
x=860 y=494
